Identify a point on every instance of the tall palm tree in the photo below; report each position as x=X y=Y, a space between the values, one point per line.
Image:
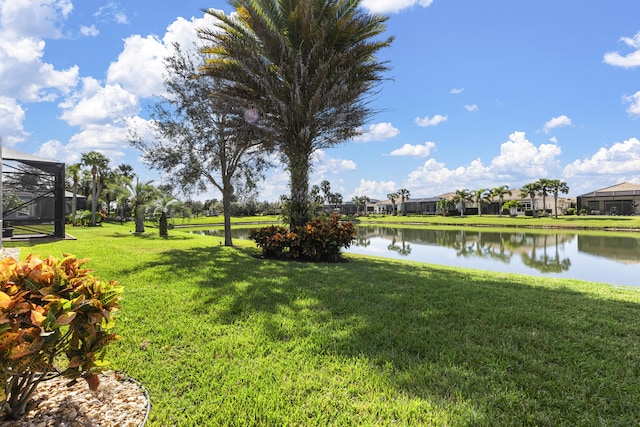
x=307 y=68
x=531 y=190
x=461 y=198
x=556 y=186
x=98 y=164
x=73 y=171
x=480 y=196
x=404 y=195
x=500 y=192
x=392 y=198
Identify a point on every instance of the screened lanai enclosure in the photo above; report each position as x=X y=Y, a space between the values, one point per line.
x=33 y=196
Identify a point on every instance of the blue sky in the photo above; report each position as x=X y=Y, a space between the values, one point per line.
x=480 y=93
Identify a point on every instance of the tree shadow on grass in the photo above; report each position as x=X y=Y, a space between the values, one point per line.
x=515 y=352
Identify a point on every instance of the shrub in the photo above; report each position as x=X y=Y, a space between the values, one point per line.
x=321 y=239
x=571 y=211
x=53 y=316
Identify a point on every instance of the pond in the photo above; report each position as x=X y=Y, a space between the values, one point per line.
x=610 y=258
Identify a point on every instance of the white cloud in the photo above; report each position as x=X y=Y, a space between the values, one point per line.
x=112 y=12
x=414 y=150
x=11 y=121
x=324 y=164
x=456 y=90
x=99 y=105
x=393 y=6
x=519 y=161
x=557 y=122
x=55 y=150
x=621 y=158
x=629 y=60
x=471 y=107
x=430 y=121
x=553 y=139
x=377 y=132
x=91 y=31
x=634 y=100
x=24 y=24
x=374 y=189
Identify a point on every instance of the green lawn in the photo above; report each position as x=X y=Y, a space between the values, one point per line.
x=220 y=337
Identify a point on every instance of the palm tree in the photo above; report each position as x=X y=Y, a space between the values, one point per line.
x=360 y=201
x=480 y=196
x=307 y=67
x=531 y=190
x=163 y=207
x=404 y=195
x=461 y=198
x=392 y=198
x=544 y=185
x=556 y=186
x=98 y=164
x=500 y=192
x=141 y=194
x=73 y=171
x=444 y=205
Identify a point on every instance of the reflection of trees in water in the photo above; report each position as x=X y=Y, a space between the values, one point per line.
x=499 y=246
x=546 y=263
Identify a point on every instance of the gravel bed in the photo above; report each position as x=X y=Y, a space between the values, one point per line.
x=118 y=402
x=10 y=252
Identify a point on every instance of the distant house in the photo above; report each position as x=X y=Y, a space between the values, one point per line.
x=619 y=199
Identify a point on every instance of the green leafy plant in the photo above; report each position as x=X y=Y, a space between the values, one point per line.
x=321 y=239
x=53 y=322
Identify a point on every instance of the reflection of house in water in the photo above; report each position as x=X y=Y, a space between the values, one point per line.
x=622 y=249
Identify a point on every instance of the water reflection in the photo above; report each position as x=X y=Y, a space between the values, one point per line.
x=607 y=258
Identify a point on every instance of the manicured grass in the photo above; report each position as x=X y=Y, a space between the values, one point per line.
x=220 y=337
x=568 y=221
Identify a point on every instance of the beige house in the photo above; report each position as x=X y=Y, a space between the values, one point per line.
x=619 y=199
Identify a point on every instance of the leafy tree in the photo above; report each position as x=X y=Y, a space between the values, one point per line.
x=202 y=139
x=444 y=206
x=511 y=205
x=500 y=192
x=404 y=195
x=99 y=167
x=392 y=198
x=461 y=198
x=531 y=190
x=556 y=186
x=307 y=66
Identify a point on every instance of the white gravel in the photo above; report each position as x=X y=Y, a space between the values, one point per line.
x=118 y=402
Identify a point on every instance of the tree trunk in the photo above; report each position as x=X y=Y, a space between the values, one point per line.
x=227 y=193
x=94 y=202
x=163 y=226
x=139 y=219
x=299 y=170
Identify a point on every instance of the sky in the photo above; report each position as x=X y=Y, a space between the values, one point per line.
x=479 y=93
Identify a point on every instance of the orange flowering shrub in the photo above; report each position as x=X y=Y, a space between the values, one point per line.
x=53 y=318
x=321 y=239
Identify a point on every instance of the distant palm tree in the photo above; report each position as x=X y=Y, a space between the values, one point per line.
x=73 y=170
x=404 y=196
x=531 y=190
x=461 y=198
x=480 y=196
x=556 y=186
x=163 y=206
x=98 y=164
x=500 y=192
x=392 y=198
x=544 y=186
